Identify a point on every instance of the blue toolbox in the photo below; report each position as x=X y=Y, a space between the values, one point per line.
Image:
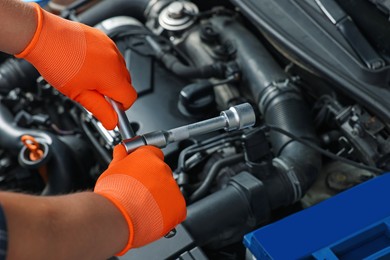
x=351 y=225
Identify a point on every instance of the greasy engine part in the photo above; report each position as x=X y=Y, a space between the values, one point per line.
x=296 y=165
x=233 y=182
x=314 y=43
x=17 y=73
x=173 y=64
x=223 y=217
x=281 y=104
x=65 y=176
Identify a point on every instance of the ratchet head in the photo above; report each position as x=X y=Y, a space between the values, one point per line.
x=239 y=117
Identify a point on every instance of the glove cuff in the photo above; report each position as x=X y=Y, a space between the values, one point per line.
x=137 y=205
x=37 y=33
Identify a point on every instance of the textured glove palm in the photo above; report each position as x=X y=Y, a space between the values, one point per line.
x=141 y=186
x=82 y=63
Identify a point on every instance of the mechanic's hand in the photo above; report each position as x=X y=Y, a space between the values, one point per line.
x=141 y=186
x=82 y=63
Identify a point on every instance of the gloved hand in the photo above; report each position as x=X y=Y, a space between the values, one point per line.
x=141 y=186
x=82 y=63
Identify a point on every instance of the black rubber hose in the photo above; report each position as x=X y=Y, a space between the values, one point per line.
x=64 y=177
x=111 y=8
x=282 y=106
x=219 y=217
x=173 y=64
x=297 y=163
x=204 y=72
x=258 y=66
x=225 y=216
x=208 y=218
x=206 y=184
x=17 y=73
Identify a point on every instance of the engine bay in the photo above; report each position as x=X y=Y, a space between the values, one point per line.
x=321 y=105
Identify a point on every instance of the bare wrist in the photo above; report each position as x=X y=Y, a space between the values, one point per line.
x=19 y=23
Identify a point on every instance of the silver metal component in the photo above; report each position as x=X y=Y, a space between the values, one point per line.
x=149 y=7
x=239 y=117
x=171 y=233
x=178 y=15
x=116 y=22
x=291 y=175
x=133 y=143
x=158 y=138
x=107 y=135
x=236 y=118
x=202 y=127
x=123 y=122
x=176 y=10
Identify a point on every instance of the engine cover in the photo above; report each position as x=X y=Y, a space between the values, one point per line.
x=301 y=29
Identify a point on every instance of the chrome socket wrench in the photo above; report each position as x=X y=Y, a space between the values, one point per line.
x=236 y=118
x=124 y=126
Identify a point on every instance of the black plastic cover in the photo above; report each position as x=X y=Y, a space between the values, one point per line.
x=301 y=29
x=181 y=246
x=156 y=107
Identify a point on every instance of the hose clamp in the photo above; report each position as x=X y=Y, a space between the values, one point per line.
x=274 y=89
x=292 y=177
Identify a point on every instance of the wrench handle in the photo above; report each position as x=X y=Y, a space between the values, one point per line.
x=236 y=118
x=124 y=125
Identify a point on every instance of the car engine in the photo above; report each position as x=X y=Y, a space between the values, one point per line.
x=319 y=88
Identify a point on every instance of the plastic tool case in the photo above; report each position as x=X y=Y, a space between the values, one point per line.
x=352 y=225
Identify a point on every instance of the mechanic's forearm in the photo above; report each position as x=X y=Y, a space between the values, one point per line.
x=18 y=24
x=78 y=226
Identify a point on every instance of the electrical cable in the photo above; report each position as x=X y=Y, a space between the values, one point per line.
x=142 y=33
x=323 y=151
x=215 y=169
x=61 y=131
x=215 y=142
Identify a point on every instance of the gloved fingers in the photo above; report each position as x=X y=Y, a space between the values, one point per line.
x=117 y=79
x=118 y=153
x=149 y=150
x=122 y=92
x=99 y=107
x=142 y=187
x=173 y=217
x=69 y=56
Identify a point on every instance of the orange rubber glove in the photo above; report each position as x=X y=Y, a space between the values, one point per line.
x=82 y=63
x=141 y=186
